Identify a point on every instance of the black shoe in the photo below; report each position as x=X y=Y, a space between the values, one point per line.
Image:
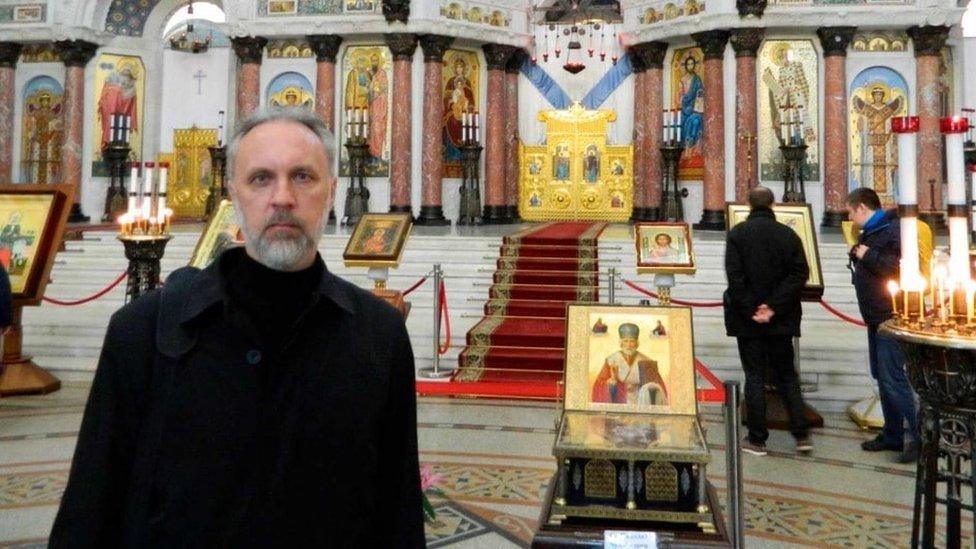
x=878 y=443
x=909 y=455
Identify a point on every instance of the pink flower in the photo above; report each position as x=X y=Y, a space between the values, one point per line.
x=427 y=477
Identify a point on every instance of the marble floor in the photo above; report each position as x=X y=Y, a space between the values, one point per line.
x=494 y=457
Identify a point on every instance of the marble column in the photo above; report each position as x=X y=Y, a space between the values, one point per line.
x=249 y=50
x=641 y=113
x=496 y=57
x=432 y=161
x=326 y=46
x=713 y=45
x=834 y=41
x=9 y=54
x=746 y=44
x=75 y=54
x=512 y=166
x=928 y=43
x=402 y=46
x=649 y=97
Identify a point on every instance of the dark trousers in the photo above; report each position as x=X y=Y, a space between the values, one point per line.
x=894 y=391
x=773 y=353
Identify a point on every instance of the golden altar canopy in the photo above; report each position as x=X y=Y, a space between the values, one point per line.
x=576 y=175
x=189 y=184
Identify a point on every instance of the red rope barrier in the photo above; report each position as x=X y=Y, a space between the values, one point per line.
x=107 y=289
x=446 y=319
x=675 y=301
x=414 y=287
x=841 y=315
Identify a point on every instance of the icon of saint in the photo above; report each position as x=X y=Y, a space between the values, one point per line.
x=628 y=376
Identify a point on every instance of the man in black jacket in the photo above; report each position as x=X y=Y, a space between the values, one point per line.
x=766 y=269
x=261 y=402
x=875 y=261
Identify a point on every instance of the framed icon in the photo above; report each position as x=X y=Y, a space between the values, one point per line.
x=32 y=221
x=664 y=247
x=222 y=233
x=378 y=240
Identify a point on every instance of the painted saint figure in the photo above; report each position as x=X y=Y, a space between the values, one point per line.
x=591 y=164
x=376 y=243
x=662 y=251
x=119 y=97
x=692 y=93
x=458 y=100
x=788 y=88
x=42 y=137
x=560 y=163
x=379 y=89
x=628 y=376
x=873 y=122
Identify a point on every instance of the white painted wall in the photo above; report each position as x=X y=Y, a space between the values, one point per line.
x=187 y=101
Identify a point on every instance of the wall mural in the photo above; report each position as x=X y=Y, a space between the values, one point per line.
x=128 y=17
x=462 y=71
x=877 y=94
x=688 y=95
x=290 y=89
x=367 y=78
x=478 y=14
x=788 y=76
x=316 y=7
x=671 y=10
x=289 y=48
x=39 y=53
x=26 y=12
x=120 y=88
x=41 y=131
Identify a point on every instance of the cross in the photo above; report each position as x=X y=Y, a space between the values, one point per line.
x=199 y=77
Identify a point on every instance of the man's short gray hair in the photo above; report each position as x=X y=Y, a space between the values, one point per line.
x=297 y=115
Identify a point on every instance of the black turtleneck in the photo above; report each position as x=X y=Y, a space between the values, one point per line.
x=271 y=300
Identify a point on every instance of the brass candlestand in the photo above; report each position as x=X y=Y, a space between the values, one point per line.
x=116 y=155
x=357 y=197
x=794 y=161
x=469 y=209
x=749 y=139
x=218 y=176
x=144 y=253
x=672 y=209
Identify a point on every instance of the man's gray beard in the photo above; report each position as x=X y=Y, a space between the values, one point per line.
x=628 y=352
x=282 y=254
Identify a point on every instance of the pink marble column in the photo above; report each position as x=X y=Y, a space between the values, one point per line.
x=432 y=171
x=713 y=45
x=834 y=41
x=640 y=138
x=496 y=57
x=746 y=43
x=512 y=135
x=75 y=54
x=9 y=53
x=250 y=51
x=928 y=43
x=325 y=46
x=403 y=47
x=648 y=60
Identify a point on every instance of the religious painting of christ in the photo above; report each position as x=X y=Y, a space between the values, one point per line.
x=688 y=96
x=789 y=78
x=290 y=89
x=877 y=94
x=366 y=97
x=377 y=238
x=459 y=93
x=41 y=131
x=119 y=89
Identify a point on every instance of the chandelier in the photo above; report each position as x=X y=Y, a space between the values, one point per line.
x=185 y=41
x=577 y=21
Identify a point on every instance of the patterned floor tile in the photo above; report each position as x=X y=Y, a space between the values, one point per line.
x=453 y=524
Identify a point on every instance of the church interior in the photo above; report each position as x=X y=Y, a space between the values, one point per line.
x=520 y=156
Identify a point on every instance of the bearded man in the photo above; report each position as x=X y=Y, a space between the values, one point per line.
x=260 y=402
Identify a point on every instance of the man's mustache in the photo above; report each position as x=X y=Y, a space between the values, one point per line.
x=283 y=217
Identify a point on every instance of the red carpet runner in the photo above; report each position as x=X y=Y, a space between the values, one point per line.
x=521 y=340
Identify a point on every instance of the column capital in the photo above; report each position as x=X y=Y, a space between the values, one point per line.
x=497 y=55
x=754 y=8
x=928 y=40
x=75 y=53
x=396 y=10
x=9 y=54
x=325 y=46
x=249 y=49
x=516 y=61
x=834 y=40
x=651 y=54
x=401 y=44
x=712 y=43
x=636 y=63
x=746 y=42
x=434 y=46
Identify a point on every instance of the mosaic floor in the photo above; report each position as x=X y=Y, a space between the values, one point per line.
x=495 y=460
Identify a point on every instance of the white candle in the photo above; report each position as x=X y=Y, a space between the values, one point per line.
x=147 y=189
x=133 y=186
x=959 y=248
x=365 y=119
x=677 y=127
x=678 y=112
x=477 y=129
x=955 y=168
x=972 y=204
x=220 y=128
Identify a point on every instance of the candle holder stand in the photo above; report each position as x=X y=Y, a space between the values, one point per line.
x=357 y=196
x=469 y=209
x=116 y=155
x=672 y=208
x=218 y=179
x=144 y=253
x=794 y=163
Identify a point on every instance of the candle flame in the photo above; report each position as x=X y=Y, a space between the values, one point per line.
x=892 y=287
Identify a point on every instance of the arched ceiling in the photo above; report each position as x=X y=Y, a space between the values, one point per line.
x=128 y=17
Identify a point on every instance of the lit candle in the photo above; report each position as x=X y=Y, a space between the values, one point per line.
x=893 y=290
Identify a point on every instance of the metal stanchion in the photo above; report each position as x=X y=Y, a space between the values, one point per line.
x=733 y=465
x=435 y=372
x=612 y=290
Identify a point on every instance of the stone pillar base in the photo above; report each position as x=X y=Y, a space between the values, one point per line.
x=398 y=208
x=512 y=214
x=712 y=220
x=935 y=220
x=645 y=214
x=494 y=215
x=833 y=219
x=76 y=216
x=432 y=216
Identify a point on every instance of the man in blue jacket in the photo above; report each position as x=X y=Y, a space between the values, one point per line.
x=874 y=261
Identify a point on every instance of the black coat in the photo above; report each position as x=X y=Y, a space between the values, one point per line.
x=196 y=436
x=879 y=265
x=764 y=263
x=6 y=305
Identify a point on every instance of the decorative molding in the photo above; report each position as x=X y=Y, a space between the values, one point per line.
x=712 y=43
x=76 y=53
x=40 y=53
x=480 y=14
x=928 y=40
x=249 y=49
x=402 y=45
x=834 y=40
x=434 y=46
x=9 y=54
x=746 y=42
x=325 y=46
x=754 y=8
x=880 y=41
x=651 y=54
x=516 y=61
x=497 y=55
x=670 y=11
x=396 y=10
x=291 y=48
